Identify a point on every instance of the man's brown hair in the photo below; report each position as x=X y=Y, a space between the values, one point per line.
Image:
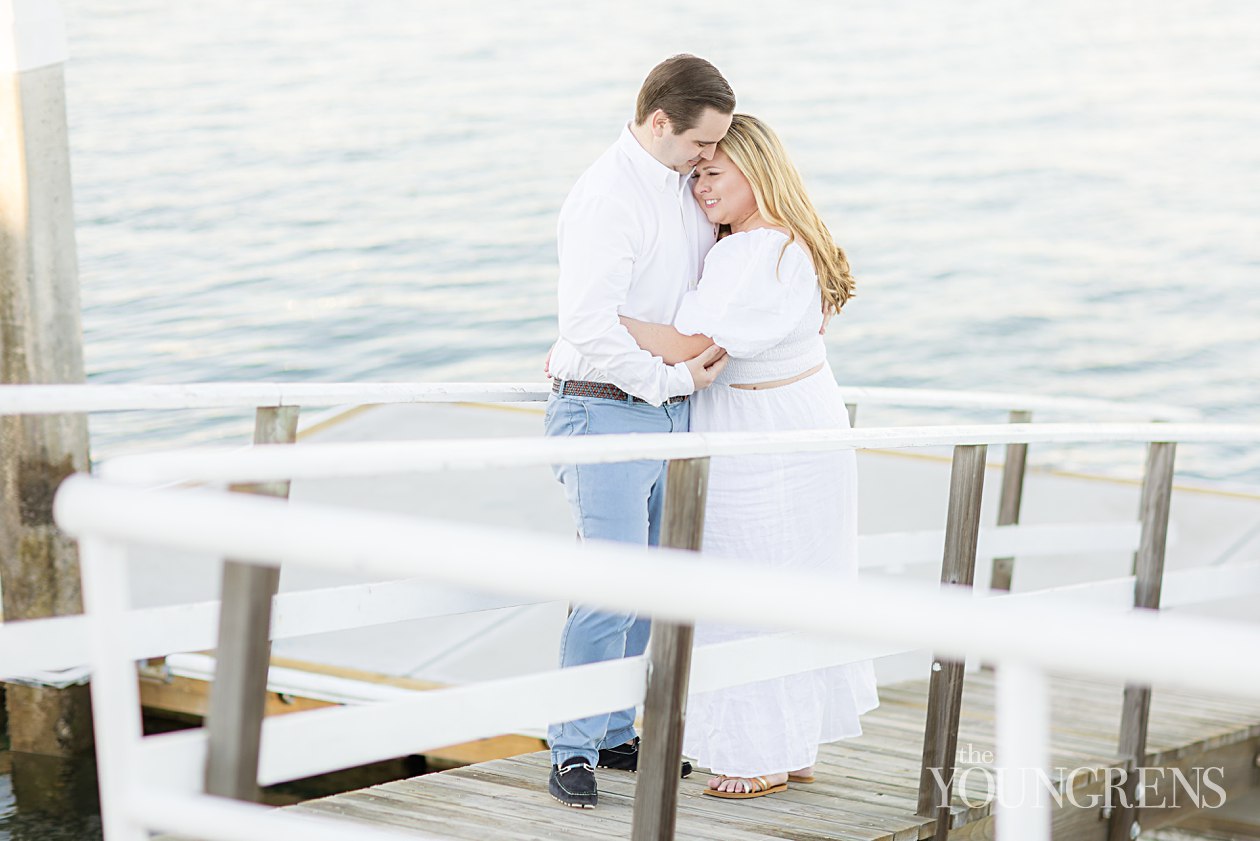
x=683 y=87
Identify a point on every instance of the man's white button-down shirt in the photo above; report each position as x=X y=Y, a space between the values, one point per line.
x=632 y=242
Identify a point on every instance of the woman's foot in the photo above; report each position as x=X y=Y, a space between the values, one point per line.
x=746 y=785
x=803 y=775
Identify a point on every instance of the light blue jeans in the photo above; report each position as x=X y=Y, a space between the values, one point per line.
x=621 y=502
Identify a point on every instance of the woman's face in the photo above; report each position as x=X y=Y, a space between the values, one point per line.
x=724 y=192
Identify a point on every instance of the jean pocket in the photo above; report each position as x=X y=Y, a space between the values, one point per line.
x=566 y=416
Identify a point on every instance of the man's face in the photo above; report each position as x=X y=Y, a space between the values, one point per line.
x=681 y=152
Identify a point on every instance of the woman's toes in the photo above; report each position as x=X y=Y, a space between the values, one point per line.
x=743 y=785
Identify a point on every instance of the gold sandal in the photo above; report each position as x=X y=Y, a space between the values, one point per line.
x=760 y=788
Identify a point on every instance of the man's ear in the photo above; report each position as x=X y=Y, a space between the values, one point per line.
x=659 y=121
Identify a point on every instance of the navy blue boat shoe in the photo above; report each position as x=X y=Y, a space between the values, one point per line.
x=573 y=784
x=626 y=758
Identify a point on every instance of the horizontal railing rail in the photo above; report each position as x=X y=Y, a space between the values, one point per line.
x=218 y=819
x=310 y=461
x=43 y=647
x=892 y=550
x=91 y=398
x=33 y=646
x=56 y=399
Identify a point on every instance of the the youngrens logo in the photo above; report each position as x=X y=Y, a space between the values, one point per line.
x=1200 y=787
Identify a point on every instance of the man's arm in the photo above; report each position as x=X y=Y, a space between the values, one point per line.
x=666 y=342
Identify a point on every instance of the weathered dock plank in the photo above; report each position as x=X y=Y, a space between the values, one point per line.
x=867 y=788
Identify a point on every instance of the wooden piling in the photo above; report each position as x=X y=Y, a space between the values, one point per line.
x=669 y=667
x=940 y=740
x=239 y=692
x=40 y=342
x=1148 y=570
x=1009 y=502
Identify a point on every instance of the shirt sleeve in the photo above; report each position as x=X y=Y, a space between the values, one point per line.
x=748 y=299
x=598 y=239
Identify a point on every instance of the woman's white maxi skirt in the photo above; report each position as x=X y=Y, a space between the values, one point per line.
x=792 y=511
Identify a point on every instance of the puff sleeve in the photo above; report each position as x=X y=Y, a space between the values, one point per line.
x=748 y=300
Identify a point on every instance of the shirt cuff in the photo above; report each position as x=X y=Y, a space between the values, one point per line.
x=680 y=381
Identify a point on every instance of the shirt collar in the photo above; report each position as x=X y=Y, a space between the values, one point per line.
x=649 y=168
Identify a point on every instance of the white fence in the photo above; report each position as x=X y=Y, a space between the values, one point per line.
x=54 y=651
x=57 y=399
x=156 y=782
x=142 y=777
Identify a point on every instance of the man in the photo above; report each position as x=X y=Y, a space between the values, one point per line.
x=632 y=241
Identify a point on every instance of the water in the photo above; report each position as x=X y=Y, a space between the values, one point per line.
x=46 y=799
x=1052 y=198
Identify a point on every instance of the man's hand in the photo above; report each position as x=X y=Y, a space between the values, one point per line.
x=707 y=365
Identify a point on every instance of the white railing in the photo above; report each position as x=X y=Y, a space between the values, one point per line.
x=142 y=777
x=41 y=646
x=48 y=651
x=60 y=399
x=388 y=458
x=53 y=651
x=57 y=399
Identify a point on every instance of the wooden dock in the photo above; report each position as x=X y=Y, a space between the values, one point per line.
x=867 y=788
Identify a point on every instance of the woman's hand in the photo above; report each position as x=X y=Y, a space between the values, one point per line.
x=707 y=365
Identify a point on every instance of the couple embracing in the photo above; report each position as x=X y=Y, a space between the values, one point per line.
x=696 y=279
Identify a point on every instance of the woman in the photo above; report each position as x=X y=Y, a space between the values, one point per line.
x=767 y=286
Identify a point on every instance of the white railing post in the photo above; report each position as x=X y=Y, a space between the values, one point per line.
x=115 y=689
x=669 y=667
x=958 y=567
x=1009 y=502
x=1023 y=756
x=1148 y=570
x=239 y=692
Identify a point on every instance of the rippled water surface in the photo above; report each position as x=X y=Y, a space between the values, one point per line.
x=46 y=799
x=1055 y=198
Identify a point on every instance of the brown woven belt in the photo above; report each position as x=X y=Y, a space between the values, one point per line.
x=585 y=388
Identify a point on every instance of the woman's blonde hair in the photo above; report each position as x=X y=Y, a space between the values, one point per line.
x=756 y=150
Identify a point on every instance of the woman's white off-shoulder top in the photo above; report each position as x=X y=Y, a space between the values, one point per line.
x=764 y=311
